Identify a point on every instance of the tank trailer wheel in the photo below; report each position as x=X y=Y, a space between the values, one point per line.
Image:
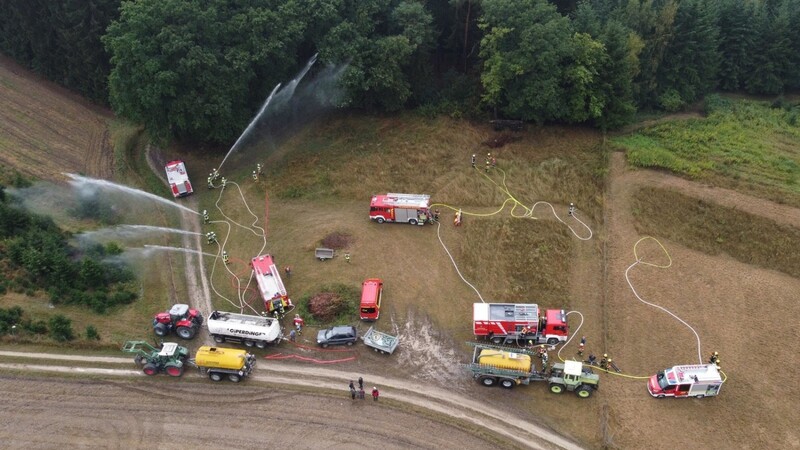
x=150 y=369
x=488 y=381
x=584 y=391
x=215 y=376
x=261 y=344
x=248 y=343
x=556 y=388
x=219 y=339
x=185 y=332
x=508 y=384
x=234 y=378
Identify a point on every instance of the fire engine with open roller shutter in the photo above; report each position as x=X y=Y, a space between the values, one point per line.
x=403 y=208
x=270 y=285
x=506 y=323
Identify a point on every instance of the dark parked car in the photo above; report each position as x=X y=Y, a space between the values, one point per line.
x=337 y=335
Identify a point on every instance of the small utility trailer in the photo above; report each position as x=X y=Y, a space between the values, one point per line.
x=380 y=341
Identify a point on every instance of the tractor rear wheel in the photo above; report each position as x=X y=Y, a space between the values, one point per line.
x=234 y=378
x=150 y=369
x=215 y=376
x=161 y=329
x=186 y=332
x=584 y=391
x=508 y=384
x=557 y=388
x=488 y=381
x=174 y=370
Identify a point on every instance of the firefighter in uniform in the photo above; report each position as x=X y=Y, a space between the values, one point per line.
x=571 y=209
x=225 y=258
x=210 y=181
x=714 y=358
x=487 y=164
x=259 y=169
x=347 y=257
x=473 y=160
x=224 y=181
x=542 y=351
x=255 y=175
x=544 y=361
x=604 y=361
x=205 y=216
x=582 y=346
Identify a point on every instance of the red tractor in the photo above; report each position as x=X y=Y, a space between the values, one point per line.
x=183 y=320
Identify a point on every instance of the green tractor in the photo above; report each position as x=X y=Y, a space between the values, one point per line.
x=169 y=358
x=571 y=376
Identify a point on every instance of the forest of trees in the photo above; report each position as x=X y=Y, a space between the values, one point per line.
x=198 y=69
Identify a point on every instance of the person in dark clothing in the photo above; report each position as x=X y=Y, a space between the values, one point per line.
x=360 y=383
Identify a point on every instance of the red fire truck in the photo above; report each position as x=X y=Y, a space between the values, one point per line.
x=697 y=380
x=270 y=285
x=509 y=323
x=403 y=208
x=178 y=179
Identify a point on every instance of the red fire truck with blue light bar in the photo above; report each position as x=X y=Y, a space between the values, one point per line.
x=696 y=380
x=178 y=179
x=518 y=323
x=401 y=208
x=270 y=285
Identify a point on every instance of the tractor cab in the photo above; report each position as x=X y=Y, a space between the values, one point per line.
x=168 y=349
x=178 y=312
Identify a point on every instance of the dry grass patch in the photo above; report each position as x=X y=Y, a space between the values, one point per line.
x=715 y=229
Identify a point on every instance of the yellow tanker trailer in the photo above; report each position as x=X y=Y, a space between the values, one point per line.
x=219 y=363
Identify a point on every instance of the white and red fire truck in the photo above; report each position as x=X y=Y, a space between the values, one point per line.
x=508 y=323
x=178 y=179
x=270 y=285
x=697 y=380
x=403 y=208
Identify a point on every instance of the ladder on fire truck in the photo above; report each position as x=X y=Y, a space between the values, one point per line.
x=415 y=200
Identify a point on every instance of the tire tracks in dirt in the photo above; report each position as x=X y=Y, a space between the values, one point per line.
x=428 y=397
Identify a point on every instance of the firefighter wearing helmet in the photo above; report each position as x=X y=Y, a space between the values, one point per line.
x=714 y=358
x=604 y=362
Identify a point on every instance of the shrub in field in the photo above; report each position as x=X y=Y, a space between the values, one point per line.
x=334 y=303
x=91 y=333
x=61 y=328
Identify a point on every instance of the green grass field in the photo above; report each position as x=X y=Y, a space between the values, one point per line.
x=741 y=144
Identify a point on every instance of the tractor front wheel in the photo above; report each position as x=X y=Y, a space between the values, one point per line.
x=584 y=391
x=186 y=332
x=174 y=371
x=234 y=378
x=215 y=376
x=557 y=388
x=150 y=369
x=161 y=329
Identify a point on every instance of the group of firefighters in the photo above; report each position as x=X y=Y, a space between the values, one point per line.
x=214 y=175
x=491 y=161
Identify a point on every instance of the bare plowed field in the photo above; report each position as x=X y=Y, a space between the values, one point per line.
x=46 y=130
